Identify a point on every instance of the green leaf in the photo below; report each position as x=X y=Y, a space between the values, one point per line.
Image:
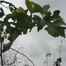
x=24 y=31
x=56 y=16
x=20 y=10
x=28 y=4
x=1 y=13
x=18 y=13
x=55 y=30
x=37 y=8
x=6 y=47
x=58 y=23
x=40 y=23
x=14 y=34
x=47 y=18
x=56 y=12
x=52 y=30
x=61 y=31
x=45 y=9
x=33 y=7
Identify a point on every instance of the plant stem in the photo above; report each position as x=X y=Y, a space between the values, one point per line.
x=1 y=55
x=8 y=3
x=23 y=55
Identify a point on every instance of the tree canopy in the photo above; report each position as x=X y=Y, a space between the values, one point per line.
x=21 y=21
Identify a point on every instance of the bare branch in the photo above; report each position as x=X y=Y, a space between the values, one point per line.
x=23 y=55
x=8 y=3
x=4 y=6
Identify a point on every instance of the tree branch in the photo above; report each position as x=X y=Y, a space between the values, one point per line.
x=4 y=6
x=8 y=3
x=23 y=55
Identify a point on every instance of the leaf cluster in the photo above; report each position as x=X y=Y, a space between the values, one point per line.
x=21 y=22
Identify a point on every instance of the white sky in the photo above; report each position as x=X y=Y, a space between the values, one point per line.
x=37 y=44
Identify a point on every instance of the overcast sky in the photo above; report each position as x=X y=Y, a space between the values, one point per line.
x=36 y=44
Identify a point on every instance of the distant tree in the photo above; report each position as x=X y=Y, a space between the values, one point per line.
x=21 y=22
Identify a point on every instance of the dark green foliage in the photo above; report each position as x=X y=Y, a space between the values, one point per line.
x=1 y=13
x=39 y=22
x=6 y=47
x=33 y=7
x=45 y=9
x=22 y=22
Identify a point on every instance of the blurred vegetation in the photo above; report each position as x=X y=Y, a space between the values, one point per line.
x=21 y=22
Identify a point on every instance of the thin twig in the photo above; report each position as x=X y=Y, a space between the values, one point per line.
x=4 y=6
x=23 y=55
x=8 y=3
